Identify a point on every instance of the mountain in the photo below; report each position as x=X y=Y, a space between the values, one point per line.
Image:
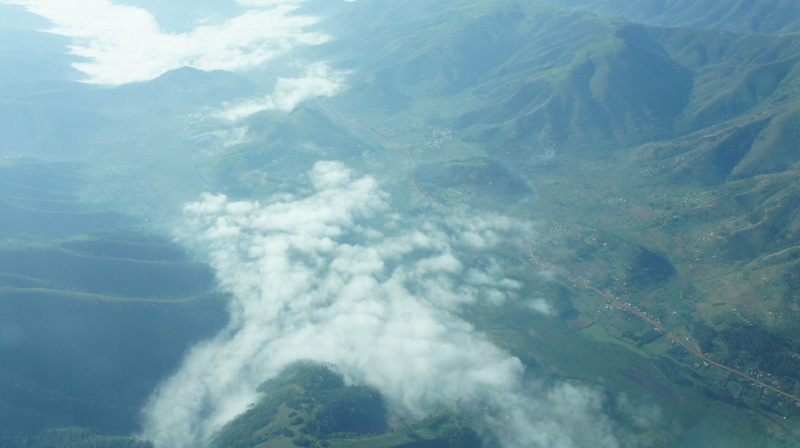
x=756 y=16
x=522 y=70
x=542 y=85
x=653 y=149
x=666 y=155
x=519 y=78
x=662 y=161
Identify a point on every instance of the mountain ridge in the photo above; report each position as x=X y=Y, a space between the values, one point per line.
x=750 y=16
x=659 y=165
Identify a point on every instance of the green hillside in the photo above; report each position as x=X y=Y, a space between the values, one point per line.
x=309 y=405
x=661 y=162
x=664 y=160
x=93 y=312
x=753 y=16
x=659 y=166
x=533 y=78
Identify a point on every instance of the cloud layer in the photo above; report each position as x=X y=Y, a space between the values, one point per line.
x=319 y=80
x=336 y=277
x=124 y=43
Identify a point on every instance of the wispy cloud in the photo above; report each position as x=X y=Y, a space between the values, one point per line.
x=336 y=277
x=124 y=43
x=319 y=80
x=221 y=138
x=541 y=305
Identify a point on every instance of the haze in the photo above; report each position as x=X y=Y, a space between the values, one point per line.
x=398 y=224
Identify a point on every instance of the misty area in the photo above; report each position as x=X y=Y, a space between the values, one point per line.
x=386 y=224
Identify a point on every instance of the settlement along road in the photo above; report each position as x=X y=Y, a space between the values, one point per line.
x=693 y=349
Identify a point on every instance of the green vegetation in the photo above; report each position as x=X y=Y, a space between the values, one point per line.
x=760 y=16
x=92 y=314
x=462 y=180
x=659 y=163
x=43 y=200
x=309 y=406
x=71 y=437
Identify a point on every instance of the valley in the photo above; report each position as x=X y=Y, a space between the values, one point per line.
x=651 y=152
x=654 y=322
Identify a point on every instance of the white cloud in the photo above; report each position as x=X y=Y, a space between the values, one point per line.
x=124 y=43
x=644 y=415
x=224 y=138
x=336 y=277
x=546 y=274
x=541 y=305
x=319 y=80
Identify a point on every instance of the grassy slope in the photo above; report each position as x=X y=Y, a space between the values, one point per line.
x=90 y=321
x=522 y=70
x=309 y=405
x=751 y=16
